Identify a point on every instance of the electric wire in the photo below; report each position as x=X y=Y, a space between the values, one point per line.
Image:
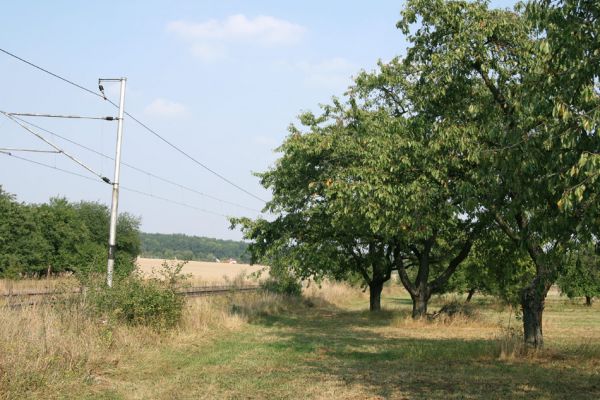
x=173 y=201
x=74 y=159
x=50 y=73
x=48 y=166
x=139 y=169
x=7 y=149
x=61 y=116
x=146 y=127
x=122 y=187
x=173 y=146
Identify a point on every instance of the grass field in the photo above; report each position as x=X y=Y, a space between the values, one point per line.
x=325 y=346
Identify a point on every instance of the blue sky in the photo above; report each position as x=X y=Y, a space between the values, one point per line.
x=221 y=79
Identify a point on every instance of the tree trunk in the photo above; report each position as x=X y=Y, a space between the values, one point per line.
x=470 y=295
x=419 y=305
x=588 y=301
x=375 y=289
x=532 y=304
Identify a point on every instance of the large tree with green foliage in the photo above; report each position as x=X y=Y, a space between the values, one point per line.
x=322 y=225
x=431 y=213
x=96 y=217
x=491 y=77
x=580 y=275
x=58 y=236
x=496 y=267
x=362 y=192
x=22 y=245
x=65 y=234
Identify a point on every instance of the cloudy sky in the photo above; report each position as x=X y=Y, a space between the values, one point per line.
x=220 y=79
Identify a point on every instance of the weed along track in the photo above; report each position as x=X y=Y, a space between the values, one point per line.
x=24 y=299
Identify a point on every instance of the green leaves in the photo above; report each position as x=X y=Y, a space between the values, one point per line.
x=492 y=114
x=60 y=236
x=580 y=275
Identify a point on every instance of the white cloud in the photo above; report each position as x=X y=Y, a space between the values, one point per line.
x=262 y=29
x=208 y=39
x=166 y=109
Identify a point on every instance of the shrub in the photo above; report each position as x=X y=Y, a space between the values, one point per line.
x=282 y=285
x=136 y=301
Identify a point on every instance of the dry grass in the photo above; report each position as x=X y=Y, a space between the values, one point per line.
x=40 y=345
x=205 y=314
x=327 y=345
x=48 y=350
x=54 y=284
x=335 y=293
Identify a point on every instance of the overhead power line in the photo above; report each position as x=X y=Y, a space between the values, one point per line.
x=122 y=187
x=173 y=146
x=58 y=149
x=173 y=201
x=61 y=116
x=189 y=189
x=7 y=149
x=146 y=127
x=48 y=166
x=50 y=73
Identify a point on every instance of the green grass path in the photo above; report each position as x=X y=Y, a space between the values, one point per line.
x=335 y=354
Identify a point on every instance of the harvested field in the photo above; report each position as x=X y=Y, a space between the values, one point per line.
x=201 y=271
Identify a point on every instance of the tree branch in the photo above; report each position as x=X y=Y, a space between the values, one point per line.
x=452 y=266
x=359 y=266
x=506 y=228
x=408 y=285
x=415 y=250
x=400 y=110
x=498 y=96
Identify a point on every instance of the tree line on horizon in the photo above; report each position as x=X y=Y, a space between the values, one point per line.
x=191 y=248
x=470 y=163
x=71 y=237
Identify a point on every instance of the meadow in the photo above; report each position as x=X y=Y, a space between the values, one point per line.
x=323 y=345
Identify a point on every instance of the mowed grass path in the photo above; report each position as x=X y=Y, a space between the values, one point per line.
x=328 y=352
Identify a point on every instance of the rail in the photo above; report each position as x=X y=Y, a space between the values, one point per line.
x=194 y=291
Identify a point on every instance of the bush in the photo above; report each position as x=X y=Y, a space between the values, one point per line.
x=282 y=285
x=136 y=301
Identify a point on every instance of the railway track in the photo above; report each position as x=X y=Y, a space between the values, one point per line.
x=26 y=299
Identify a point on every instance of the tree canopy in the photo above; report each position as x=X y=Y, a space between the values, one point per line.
x=59 y=236
x=485 y=134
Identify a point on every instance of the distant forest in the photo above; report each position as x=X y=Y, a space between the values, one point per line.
x=183 y=247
